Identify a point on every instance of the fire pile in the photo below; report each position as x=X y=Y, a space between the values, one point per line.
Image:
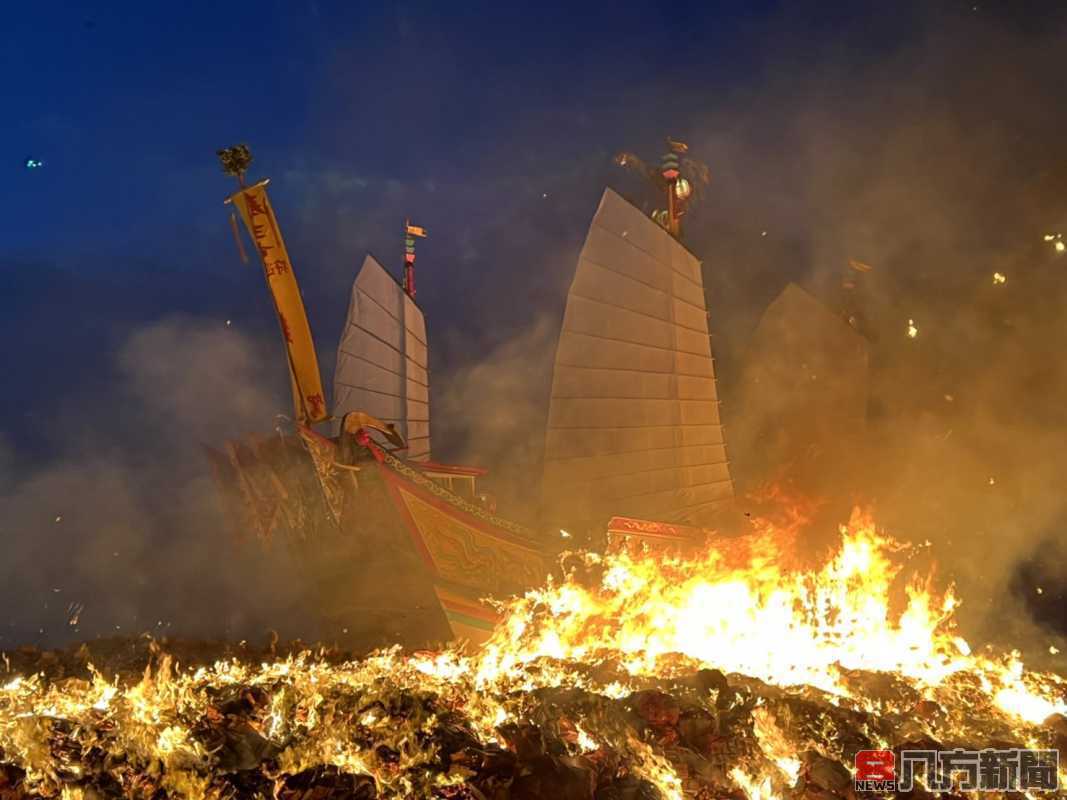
x=733 y=673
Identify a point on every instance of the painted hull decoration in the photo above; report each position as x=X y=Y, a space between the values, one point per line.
x=459 y=548
x=461 y=542
x=469 y=618
x=625 y=532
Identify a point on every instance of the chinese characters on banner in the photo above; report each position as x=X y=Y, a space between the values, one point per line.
x=258 y=216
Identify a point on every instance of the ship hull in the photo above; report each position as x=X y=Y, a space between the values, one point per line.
x=388 y=556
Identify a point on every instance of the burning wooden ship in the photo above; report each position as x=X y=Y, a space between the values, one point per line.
x=396 y=546
x=735 y=670
x=635 y=445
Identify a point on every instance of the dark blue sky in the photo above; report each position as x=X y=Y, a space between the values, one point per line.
x=491 y=124
x=362 y=113
x=124 y=103
x=926 y=138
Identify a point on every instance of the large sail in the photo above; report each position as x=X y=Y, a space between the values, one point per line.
x=803 y=389
x=633 y=425
x=382 y=358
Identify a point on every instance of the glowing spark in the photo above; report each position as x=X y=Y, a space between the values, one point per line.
x=764 y=233
x=34 y=163
x=1050 y=237
x=992 y=481
x=59 y=518
x=1060 y=246
x=564 y=534
x=1040 y=590
x=999 y=278
x=228 y=322
x=1053 y=649
x=912 y=330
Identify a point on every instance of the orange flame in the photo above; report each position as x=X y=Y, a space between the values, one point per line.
x=742 y=605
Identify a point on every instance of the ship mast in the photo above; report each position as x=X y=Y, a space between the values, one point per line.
x=679 y=176
x=669 y=168
x=410 y=232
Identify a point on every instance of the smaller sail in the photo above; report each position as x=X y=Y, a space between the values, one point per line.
x=382 y=359
x=803 y=390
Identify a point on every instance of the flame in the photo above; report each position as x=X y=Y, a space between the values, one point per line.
x=754 y=788
x=913 y=331
x=786 y=627
x=748 y=607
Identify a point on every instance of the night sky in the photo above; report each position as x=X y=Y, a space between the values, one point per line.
x=925 y=138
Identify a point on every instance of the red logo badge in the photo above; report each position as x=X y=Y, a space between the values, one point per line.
x=875 y=765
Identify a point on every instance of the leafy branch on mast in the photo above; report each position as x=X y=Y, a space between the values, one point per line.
x=235 y=160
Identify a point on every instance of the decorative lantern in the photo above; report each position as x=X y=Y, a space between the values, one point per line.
x=682 y=189
x=669 y=166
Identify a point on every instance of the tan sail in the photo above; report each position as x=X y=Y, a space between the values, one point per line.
x=633 y=425
x=382 y=358
x=804 y=389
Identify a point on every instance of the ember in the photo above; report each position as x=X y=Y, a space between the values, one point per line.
x=733 y=672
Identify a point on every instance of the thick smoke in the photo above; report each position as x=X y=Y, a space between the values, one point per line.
x=498 y=403
x=121 y=533
x=938 y=170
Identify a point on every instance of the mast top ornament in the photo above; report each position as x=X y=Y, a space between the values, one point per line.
x=680 y=177
x=235 y=161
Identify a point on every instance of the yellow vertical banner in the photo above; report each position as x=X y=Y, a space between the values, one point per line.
x=258 y=216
